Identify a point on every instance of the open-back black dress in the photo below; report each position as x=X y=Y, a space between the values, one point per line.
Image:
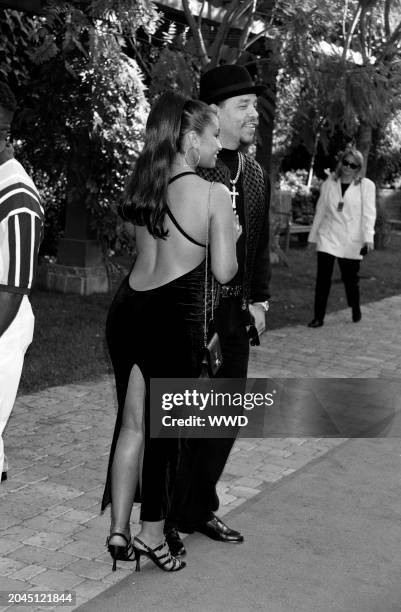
x=161 y=331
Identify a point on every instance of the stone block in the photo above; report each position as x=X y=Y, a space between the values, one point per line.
x=90 y=569
x=79 y=516
x=9 y=584
x=41 y=557
x=249 y=482
x=9 y=566
x=91 y=588
x=27 y=572
x=245 y=492
x=50 y=541
x=6 y=545
x=53 y=579
x=91 y=550
x=73 y=279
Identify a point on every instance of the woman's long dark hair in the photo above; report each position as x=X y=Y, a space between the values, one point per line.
x=145 y=196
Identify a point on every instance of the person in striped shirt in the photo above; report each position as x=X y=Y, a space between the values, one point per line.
x=21 y=225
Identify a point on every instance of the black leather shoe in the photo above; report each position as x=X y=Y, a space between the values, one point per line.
x=315 y=323
x=3 y=476
x=174 y=542
x=356 y=315
x=217 y=530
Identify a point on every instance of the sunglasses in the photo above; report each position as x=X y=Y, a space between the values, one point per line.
x=349 y=164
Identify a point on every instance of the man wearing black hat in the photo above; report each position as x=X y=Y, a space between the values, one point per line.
x=243 y=304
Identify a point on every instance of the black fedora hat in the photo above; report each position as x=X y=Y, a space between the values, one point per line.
x=225 y=82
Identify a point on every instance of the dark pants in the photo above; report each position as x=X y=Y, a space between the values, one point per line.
x=201 y=461
x=349 y=275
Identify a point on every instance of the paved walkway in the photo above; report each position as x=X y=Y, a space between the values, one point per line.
x=51 y=533
x=326 y=539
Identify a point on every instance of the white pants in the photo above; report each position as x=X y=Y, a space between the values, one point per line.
x=13 y=345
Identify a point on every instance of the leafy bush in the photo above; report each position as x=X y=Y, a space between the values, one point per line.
x=82 y=107
x=384 y=165
x=52 y=191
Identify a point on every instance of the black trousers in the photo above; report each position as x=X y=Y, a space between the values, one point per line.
x=201 y=461
x=349 y=275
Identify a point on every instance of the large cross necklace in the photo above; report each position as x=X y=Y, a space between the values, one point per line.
x=234 y=193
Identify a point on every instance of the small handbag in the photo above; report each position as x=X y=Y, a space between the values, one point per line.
x=212 y=356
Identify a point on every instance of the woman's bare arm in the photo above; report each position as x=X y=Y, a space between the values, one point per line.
x=224 y=233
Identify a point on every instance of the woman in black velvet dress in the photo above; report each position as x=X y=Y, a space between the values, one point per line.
x=155 y=323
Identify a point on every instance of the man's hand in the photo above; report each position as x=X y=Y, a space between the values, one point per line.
x=259 y=314
x=237 y=228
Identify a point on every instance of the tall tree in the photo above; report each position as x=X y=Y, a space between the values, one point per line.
x=83 y=97
x=347 y=63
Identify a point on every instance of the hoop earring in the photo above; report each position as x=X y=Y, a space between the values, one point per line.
x=189 y=164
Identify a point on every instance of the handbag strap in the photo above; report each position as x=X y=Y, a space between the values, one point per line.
x=362 y=207
x=207 y=268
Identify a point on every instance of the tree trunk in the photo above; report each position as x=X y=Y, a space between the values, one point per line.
x=382 y=225
x=312 y=161
x=364 y=142
x=267 y=110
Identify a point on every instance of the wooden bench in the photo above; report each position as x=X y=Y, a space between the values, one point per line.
x=282 y=225
x=298 y=228
x=281 y=214
x=395 y=224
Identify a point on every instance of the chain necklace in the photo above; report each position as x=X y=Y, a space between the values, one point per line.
x=234 y=193
x=340 y=204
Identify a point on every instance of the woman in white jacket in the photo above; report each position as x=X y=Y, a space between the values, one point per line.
x=343 y=226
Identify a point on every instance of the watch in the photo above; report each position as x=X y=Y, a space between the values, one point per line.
x=264 y=305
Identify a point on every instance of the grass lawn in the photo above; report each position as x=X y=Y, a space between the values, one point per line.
x=69 y=341
x=292 y=288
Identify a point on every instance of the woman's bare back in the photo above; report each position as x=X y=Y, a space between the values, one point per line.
x=161 y=261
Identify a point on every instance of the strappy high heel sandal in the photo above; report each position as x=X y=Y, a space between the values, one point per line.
x=160 y=555
x=119 y=551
